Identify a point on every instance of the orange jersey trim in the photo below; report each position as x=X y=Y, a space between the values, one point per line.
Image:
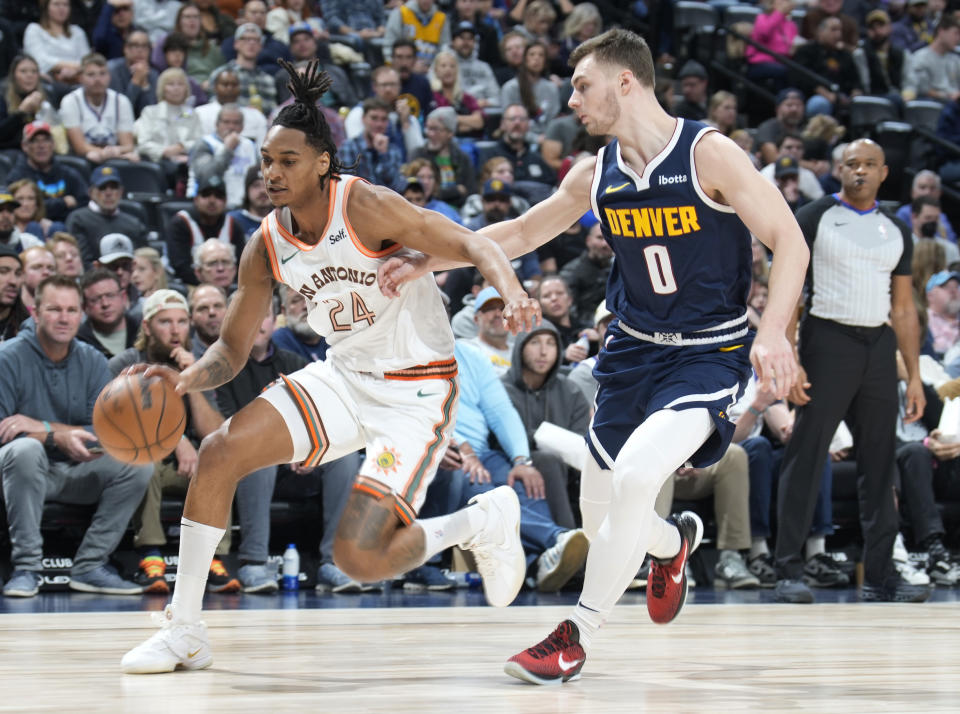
x=435 y=370
x=417 y=481
x=292 y=239
x=271 y=249
x=379 y=491
x=311 y=418
x=353 y=234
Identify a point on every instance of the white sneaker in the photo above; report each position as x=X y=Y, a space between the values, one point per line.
x=178 y=644
x=558 y=563
x=497 y=548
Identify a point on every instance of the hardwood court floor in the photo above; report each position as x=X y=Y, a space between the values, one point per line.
x=723 y=658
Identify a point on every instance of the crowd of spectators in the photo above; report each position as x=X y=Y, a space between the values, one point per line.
x=461 y=107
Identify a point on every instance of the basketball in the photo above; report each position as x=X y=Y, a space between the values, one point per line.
x=139 y=420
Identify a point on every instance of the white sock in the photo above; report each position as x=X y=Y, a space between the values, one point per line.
x=816 y=544
x=664 y=441
x=452 y=529
x=664 y=541
x=758 y=546
x=198 y=543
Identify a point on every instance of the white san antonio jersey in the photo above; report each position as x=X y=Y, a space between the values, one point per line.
x=366 y=331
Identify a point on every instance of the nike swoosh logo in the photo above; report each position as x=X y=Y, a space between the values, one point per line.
x=284 y=261
x=678 y=578
x=420 y=393
x=191 y=655
x=567 y=666
x=614 y=189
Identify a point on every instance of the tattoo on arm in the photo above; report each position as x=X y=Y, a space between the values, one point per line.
x=216 y=369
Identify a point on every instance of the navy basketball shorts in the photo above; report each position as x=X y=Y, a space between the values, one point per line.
x=637 y=378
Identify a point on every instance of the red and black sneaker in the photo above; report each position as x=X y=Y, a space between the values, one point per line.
x=219 y=580
x=667 y=582
x=557 y=659
x=152 y=575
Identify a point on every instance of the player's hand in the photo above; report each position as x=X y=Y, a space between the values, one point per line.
x=187 y=458
x=172 y=376
x=16 y=424
x=531 y=478
x=522 y=314
x=300 y=469
x=73 y=443
x=772 y=358
x=394 y=272
x=916 y=401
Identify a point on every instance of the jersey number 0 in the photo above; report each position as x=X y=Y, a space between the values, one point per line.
x=660 y=269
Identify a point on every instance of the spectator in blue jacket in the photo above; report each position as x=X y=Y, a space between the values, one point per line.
x=376 y=159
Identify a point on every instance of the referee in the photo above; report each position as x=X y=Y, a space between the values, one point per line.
x=859 y=279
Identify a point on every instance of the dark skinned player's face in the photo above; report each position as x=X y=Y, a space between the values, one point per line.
x=291 y=167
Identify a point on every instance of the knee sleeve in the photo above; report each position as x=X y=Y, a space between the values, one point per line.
x=659 y=446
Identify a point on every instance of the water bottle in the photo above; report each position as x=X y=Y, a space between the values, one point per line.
x=291 y=568
x=463 y=579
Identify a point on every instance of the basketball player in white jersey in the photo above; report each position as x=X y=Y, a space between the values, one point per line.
x=388 y=385
x=677 y=201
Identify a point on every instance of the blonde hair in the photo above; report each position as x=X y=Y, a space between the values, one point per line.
x=435 y=83
x=929 y=257
x=165 y=76
x=62 y=237
x=152 y=256
x=582 y=14
x=539 y=10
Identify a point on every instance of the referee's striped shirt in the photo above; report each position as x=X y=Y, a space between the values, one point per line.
x=853 y=256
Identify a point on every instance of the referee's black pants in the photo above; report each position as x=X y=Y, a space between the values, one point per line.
x=853 y=375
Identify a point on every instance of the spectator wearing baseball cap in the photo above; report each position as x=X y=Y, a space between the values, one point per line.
x=103 y=216
x=206 y=218
x=885 y=62
x=492 y=337
x=476 y=76
x=916 y=27
x=693 y=86
x=255 y=11
x=10 y=236
x=786 y=174
x=790 y=109
x=12 y=310
x=257 y=88
x=64 y=188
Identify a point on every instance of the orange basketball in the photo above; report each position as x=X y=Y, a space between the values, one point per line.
x=139 y=420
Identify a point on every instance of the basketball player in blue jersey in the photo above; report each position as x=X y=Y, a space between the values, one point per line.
x=677 y=202
x=388 y=383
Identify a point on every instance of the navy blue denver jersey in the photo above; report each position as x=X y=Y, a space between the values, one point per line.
x=683 y=261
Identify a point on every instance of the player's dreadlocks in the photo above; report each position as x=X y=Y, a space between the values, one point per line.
x=304 y=115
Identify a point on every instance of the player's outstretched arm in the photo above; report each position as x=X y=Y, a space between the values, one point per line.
x=379 y=215
x=516 y=237
x=727 y=176
x=227 y=356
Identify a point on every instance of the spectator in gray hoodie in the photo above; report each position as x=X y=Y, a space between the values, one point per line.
x=541 y=394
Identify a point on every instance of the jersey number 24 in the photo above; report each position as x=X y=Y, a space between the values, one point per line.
x=360 y=312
